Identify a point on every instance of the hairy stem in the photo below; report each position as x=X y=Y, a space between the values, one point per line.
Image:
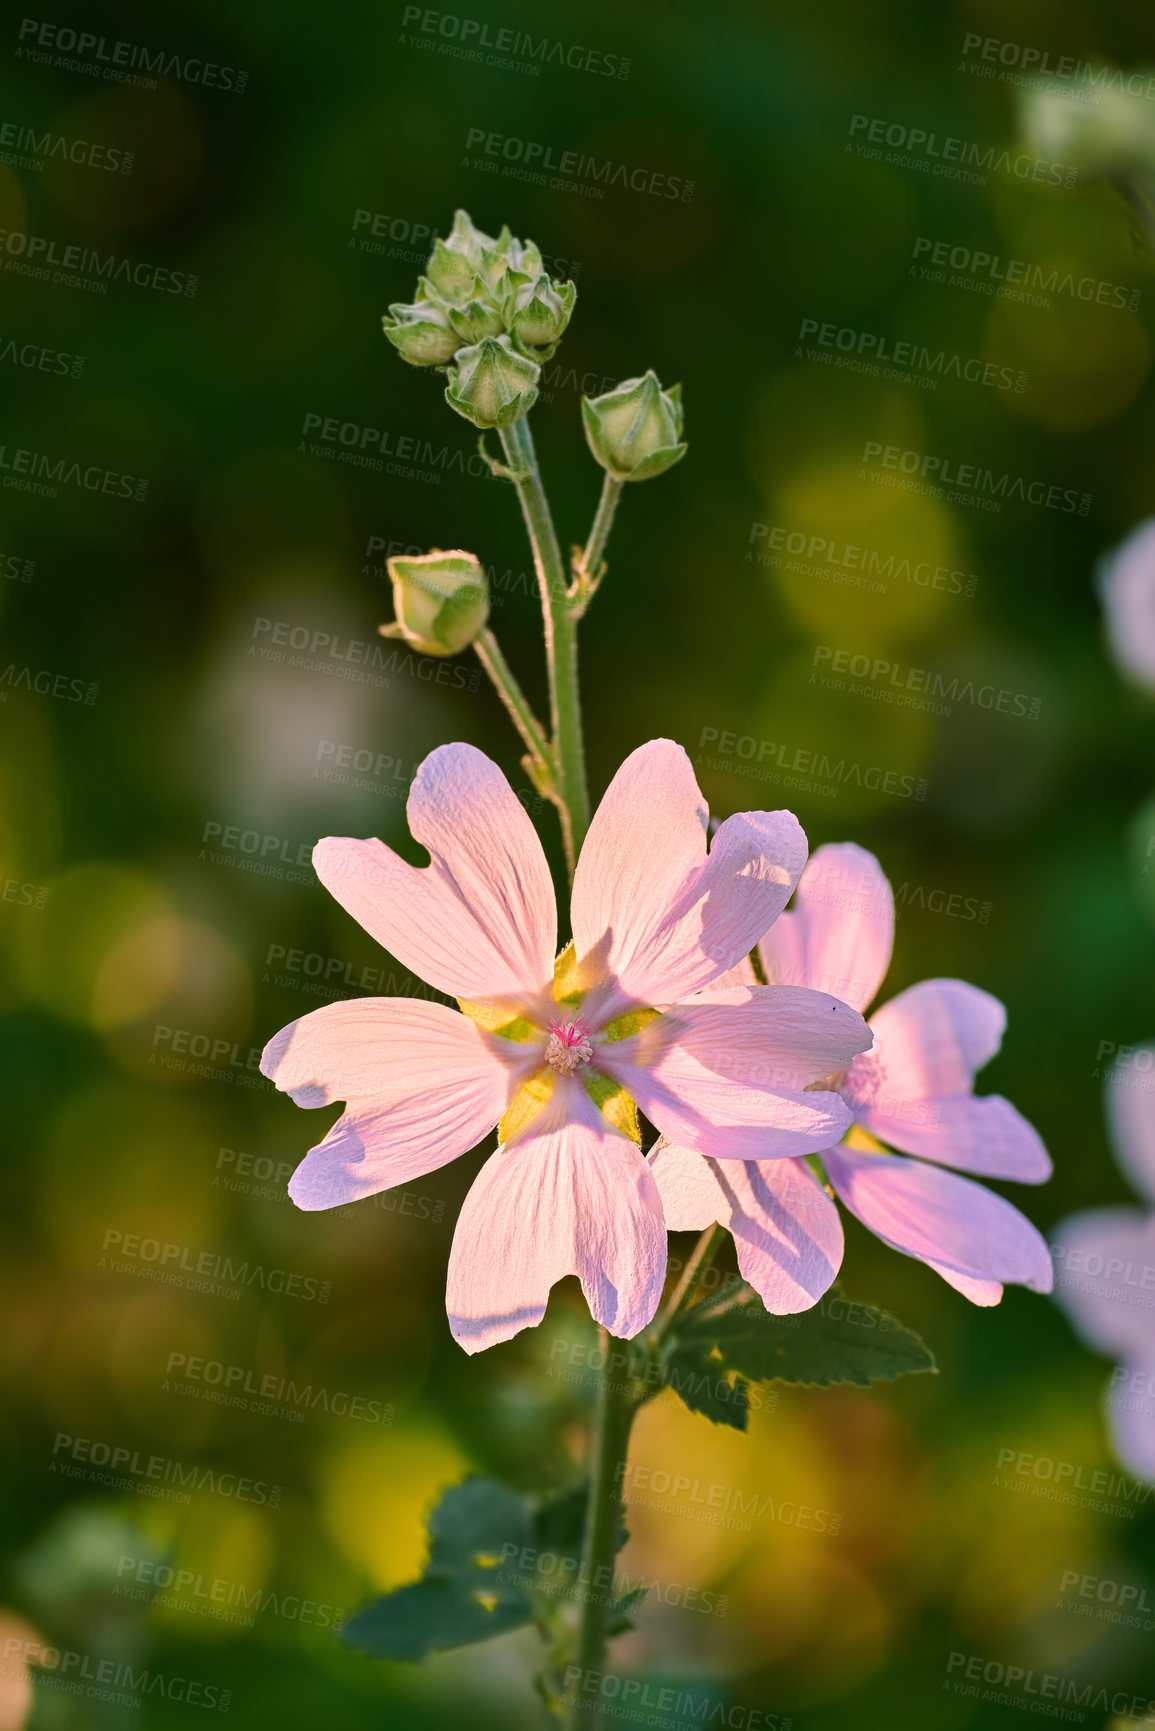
x=560 y=639
x=592 y=554
x=609 y=1447
x=504 y=679
x=682 y=1296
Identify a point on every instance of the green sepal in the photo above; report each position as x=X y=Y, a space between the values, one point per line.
x=613 y=1103
x=498 y=1021
x=567 y=988
x=631 y=1023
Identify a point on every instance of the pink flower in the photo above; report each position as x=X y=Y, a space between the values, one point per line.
x=1107 y=1258
x=914 y=1090
x=559 y=1054
x=1126 y=579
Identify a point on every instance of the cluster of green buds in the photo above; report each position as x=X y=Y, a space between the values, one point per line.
x=487 y=311
x=441 y=601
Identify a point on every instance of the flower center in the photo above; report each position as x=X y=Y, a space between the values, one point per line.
x=569 y=1045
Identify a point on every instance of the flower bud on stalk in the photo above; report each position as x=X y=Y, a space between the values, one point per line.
x=538 y=314
x=491 y=384
x=634 y=430
x=441 y=601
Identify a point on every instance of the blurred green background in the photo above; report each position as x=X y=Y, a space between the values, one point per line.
x=133 y=815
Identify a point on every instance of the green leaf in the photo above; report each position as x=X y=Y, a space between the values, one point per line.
x=621 y=1616
x=462 y=1597
x=729 y=1341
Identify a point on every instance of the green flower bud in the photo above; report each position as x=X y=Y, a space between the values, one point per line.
x=441 y=601
x=450 y=273
x=491 y=384
x=538 y=313
x=421 y=333
x=633 y=430
x=476 y=319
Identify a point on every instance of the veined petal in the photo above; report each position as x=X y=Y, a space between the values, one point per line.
x=728 y=1073
x=839 y=934
x=983 y=1134
x=786 y=1229
x=932 y=1038
x=1131 y=1116
x=423 y=1083
x=480 y=921
x=957 y=1227
x=1104 y=1259
x=570 y=1196
x=656 y=917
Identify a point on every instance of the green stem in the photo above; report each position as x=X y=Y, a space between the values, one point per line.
x=609 y=1448
x=590 y=558
x=503 y=677
x=560 y=639
x=682 y=1296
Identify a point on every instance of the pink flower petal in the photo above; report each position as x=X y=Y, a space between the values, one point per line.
x=1130 y=1408
x=727 y=1074
x=985 y=1135
x=654 y=916
x=423 y=1086
x=945 y=1221
x=569 y=1196
x=1105 y=1277
x=481 y=920
x=934 y=1036
x=786 y=1229
x=1131 y=1116
x=1126 y=577
x=839 y=934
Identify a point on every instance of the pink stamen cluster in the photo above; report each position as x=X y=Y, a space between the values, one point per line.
x=569 y=1045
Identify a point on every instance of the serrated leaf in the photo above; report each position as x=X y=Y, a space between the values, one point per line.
x=462 y=1597
x=731 y=1340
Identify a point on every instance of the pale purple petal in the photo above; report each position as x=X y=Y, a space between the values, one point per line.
x=1130 y=1406
x=423 y=1085
x=728 y=1074
x=934 y=1036
x=569 y=1196
x=1105 y=1277
x=839 y=933
x=1131 y=1117
x=1126 y=579
x=480 y=922
x=654 y=916
x=944 y=1220
x=786 y=1229
x=982 y=1134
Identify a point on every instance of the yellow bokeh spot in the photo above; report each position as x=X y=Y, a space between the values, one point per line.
x=88 y=909
x=377 y=1494
x=1085 y=363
